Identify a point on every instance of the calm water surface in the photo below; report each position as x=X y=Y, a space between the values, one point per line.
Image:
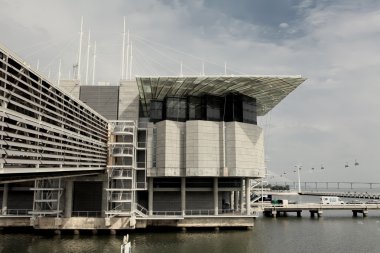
x=331 y=233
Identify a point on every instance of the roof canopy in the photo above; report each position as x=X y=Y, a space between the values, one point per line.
x=268 y=90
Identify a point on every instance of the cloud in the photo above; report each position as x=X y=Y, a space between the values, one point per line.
x=283 y=25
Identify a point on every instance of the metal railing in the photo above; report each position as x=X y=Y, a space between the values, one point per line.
x=121 y=172
x=114 y=150
x=141 y=209
x=121 y=196
x=16 y=212
x=140 y=165
x=167 y=213
x=86 y=214
x=141 y=185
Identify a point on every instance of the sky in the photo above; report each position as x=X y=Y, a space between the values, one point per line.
x=330 y=121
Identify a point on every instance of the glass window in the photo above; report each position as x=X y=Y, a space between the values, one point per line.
x=176 y=109
x=249 y=110
x=195 y=108
x=215 y=108
x=156 y=110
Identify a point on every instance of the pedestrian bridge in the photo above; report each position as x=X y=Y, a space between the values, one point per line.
x=317 y=209
x=357 y=195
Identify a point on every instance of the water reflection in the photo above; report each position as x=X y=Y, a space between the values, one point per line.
x=284 y=234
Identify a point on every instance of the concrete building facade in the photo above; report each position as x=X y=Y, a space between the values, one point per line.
x=154 y=151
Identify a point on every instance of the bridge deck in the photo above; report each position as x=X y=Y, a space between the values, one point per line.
x=362 y=195
x=318 y=209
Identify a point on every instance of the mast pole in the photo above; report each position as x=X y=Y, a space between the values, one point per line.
x=80 y=49
x=127 y=62
x=123 y=53
x=93 y=64
x=130 y=64
x=88 y=55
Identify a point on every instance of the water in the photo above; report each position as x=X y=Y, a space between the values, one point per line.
x=335 y=232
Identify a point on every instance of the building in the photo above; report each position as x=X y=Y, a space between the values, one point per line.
x=154 y=151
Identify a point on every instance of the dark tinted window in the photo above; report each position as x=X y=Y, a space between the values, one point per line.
x=176 y=109
x=195 y=108
x=249 y=110
x=156 y=111
x=215 y=108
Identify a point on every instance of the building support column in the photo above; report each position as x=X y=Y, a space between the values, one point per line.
x=69 y=198
x=242 y=196
x=150 y=195
x=183 y=195
x=215 y=191
x=248 y=196
x=104 y=197
x=236 y=200
x=4 y=206
x=231 y=200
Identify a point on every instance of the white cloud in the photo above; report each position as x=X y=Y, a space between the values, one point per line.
x=283 y=25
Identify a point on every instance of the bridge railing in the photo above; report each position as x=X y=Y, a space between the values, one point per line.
x=15 y=212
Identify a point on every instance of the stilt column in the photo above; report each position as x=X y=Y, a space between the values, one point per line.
x=183 y=195
x=236 y=200
x=247 y=196
x=215 y=190
x=150 y=195
x=69 y=198
x=104 y=197
x=242 y=196
x=4 y=206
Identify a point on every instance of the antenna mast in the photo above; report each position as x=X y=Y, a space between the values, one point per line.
x=80 y=48
x=181 y=73
x=123 y=54
x=127 y=63
x=93 y=64
x=225 y=68
x=130 y=64
x=88 y=55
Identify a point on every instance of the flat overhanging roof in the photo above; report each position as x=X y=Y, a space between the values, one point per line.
x=268 y=90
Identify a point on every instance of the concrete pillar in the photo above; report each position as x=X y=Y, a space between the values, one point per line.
x=236 y=200
x=69 y=198
x=183 y=195
x=150 y=195
x=4 y=205
x=215 y=191
x=242 y=196
x=247 y=196
x=232 y=200
x=104 y=197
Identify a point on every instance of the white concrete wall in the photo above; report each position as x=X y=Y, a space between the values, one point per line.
x=195 y=148
x=244 y=150
x=170 y=148
x=203 y=148
x=128 y=101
